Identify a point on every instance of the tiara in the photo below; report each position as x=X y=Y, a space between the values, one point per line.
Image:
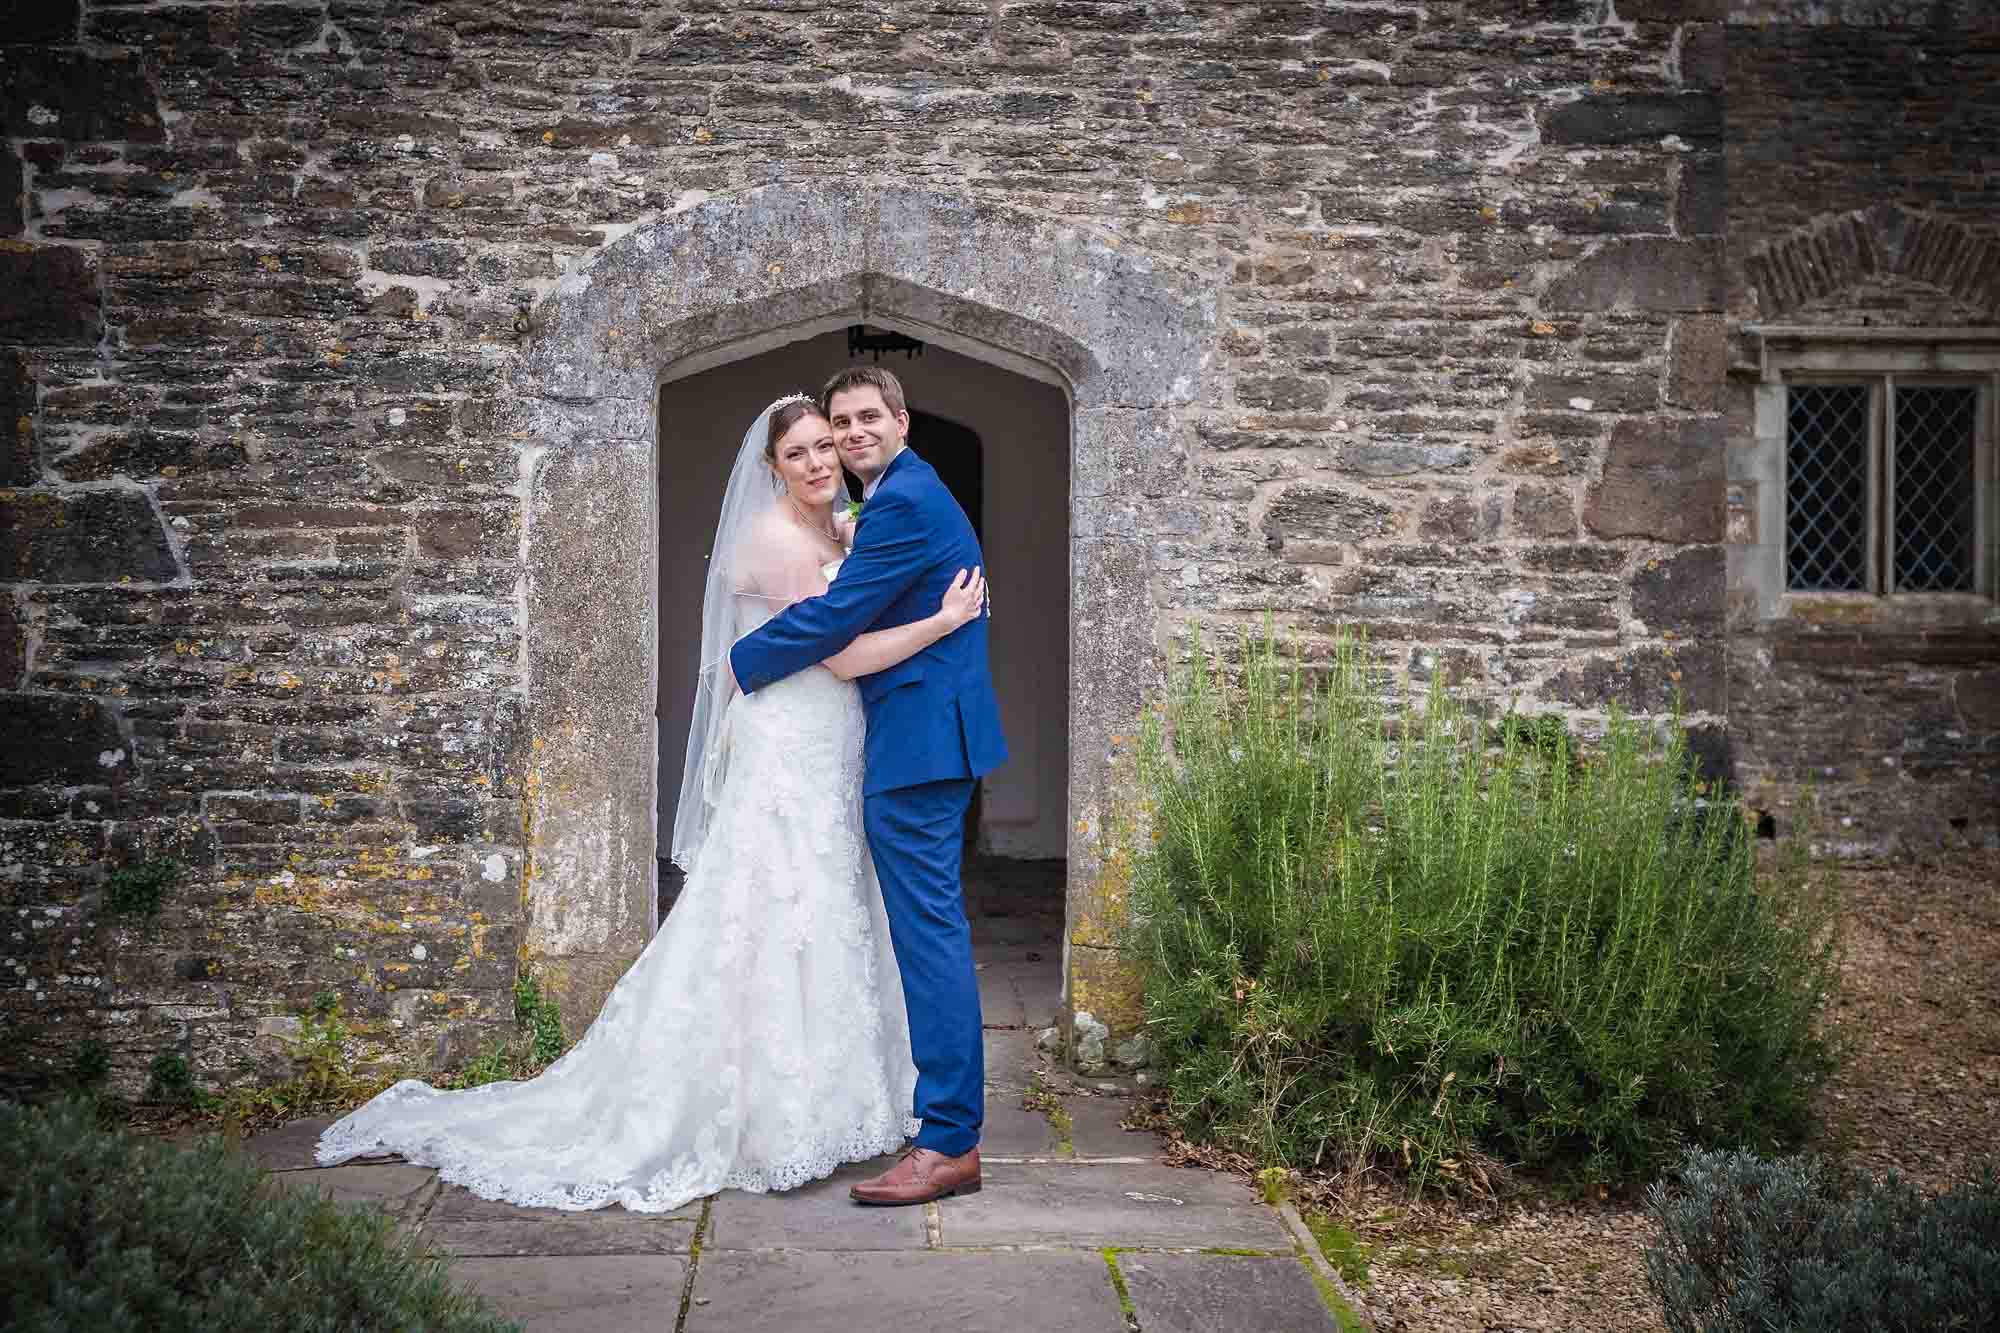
x=789 y=398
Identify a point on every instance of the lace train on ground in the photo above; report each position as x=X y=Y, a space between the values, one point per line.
x=760 y=1040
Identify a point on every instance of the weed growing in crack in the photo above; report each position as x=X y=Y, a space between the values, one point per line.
x=139 y=890
x=538 y=1041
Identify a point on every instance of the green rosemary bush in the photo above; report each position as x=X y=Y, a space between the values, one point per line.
x=1749 y=1244
x=1379 y=931
x=106 y=1231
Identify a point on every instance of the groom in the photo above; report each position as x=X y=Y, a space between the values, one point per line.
x=933 y=728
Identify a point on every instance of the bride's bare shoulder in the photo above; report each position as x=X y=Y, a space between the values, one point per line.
x=771 y=532
x=774 y=557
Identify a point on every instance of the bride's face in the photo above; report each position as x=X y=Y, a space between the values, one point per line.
x=806 y=461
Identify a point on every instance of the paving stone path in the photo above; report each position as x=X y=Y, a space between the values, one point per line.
x=1078 y=1227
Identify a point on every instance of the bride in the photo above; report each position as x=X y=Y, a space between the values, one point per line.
x=760 y=1040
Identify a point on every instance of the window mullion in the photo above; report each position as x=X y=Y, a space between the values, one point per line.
x=1986 y=489
x=1882 y=490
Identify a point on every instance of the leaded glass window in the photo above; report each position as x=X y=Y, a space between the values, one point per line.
x=1934 y=520
x=1882 y=485
x=1827 y=443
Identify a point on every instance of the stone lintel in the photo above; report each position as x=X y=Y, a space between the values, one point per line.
x=1644 y=273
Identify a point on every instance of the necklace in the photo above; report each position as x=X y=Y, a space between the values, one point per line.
x=823 y=533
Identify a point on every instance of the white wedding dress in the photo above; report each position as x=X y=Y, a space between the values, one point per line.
x=759 y=1041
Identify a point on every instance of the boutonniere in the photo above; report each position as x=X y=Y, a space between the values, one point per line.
x=854 y=511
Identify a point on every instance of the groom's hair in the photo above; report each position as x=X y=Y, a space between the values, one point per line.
x=855 y=377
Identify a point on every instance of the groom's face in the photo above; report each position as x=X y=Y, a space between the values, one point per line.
x=868 y=433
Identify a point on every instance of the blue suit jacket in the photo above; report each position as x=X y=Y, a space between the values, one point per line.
x=933 y=716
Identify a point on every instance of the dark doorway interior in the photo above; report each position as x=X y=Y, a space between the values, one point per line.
x=960 y=403
x=960 y=459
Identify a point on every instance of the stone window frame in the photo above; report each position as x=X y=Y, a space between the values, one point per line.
x=1785 y=355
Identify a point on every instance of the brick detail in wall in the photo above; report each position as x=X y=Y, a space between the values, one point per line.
x=1840 y=253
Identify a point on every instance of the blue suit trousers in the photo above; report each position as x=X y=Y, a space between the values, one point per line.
x=917 y=837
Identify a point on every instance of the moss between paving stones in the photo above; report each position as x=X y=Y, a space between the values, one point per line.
x=1043 y=1099
x=1342 y=1248
x=1343 y=1313
x=694 y=1263
x=1125 y=1306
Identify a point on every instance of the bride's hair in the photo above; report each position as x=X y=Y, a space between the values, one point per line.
x=784 y=418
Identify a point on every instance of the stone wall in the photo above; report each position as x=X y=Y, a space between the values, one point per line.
x=273 y=266
x=1863 y=153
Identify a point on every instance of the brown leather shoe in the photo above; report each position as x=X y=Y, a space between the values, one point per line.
x=921 y=1176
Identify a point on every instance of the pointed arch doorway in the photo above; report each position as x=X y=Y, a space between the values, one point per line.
x=1125 y=333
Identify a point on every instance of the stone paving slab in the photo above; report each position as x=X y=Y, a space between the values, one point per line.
x=1203 y=1293
x=1010 y=1131
x=818 y=1216
x=1014 y=992
x=1010 y=1061
x=390 y=1188
x=1094 y=1131
x=999 y=1002
x=590 y=1294
x=289 y=1147
x=1111 y=1205
x=462 y=1223
x=1040 y=986
x=966 y=1293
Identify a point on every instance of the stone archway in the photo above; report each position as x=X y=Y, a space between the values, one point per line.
x=1127 y=333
